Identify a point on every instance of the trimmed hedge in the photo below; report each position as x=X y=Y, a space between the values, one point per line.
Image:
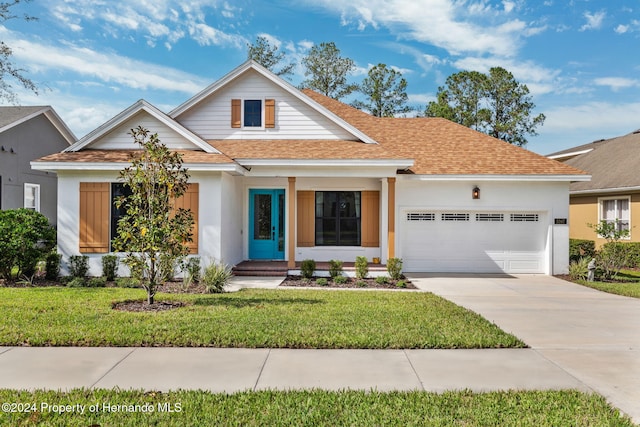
x=579 y=248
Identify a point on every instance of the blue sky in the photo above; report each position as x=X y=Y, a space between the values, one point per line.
x=579 y=58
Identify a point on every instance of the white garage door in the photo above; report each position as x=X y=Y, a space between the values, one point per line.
x=473 y=242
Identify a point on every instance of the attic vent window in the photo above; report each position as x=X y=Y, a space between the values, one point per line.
x=489 y=217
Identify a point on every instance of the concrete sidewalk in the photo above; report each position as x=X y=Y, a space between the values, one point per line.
x=232 y=370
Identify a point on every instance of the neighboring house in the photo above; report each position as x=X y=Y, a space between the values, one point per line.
x=283 y=174
x=614 y=190
x=26 y=134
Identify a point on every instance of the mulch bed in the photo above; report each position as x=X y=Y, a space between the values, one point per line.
x=369 y=283
x=142 y=306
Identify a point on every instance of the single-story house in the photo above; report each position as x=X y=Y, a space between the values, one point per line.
x=614 y=190
x=28 y=133
x=283 y=174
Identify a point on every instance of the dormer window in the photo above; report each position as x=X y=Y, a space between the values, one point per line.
x=252 y=113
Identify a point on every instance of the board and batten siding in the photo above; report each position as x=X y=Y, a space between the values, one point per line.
x=120 y=138
x=211 y=119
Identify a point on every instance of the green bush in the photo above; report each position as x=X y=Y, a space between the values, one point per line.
x=97 y=282
x=322 y=281
x=192 y=269
x=362 y=267
x=110 y=267
x=52 y=266
x=613 y=257
x=340 y=280
x=307 y=268
x=578 y=269
x=77 y=282
x=127 y=282
x=79 y=266
x=26 y=237
x=382 y=280
x=335 y=268
x=634 y=255
x=401 y=284
x=394 y=268
x=361 y=284
x=579 y=248
x=168 y=265
x=215 y=276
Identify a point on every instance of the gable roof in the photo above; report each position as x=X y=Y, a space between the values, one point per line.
x=441 y=147
x=14 y=116
x=134 y=109
x=613 y=164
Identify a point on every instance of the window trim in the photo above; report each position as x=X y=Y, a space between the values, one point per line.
x=36 y=198
x=601 y=206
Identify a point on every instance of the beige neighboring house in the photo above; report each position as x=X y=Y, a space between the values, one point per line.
x=614 y=190
x=286 y=175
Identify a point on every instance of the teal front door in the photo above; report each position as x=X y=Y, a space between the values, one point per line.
x=266 y=224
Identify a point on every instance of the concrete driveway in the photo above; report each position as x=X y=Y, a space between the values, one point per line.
x=592 y=335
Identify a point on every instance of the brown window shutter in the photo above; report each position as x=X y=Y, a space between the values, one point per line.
x=236 y=113
x=306 y=205
x=270 y=113
x=189 y=201
x=370 y=219
x=94 y=217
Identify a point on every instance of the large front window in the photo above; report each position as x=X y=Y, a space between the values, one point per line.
x=616 y=211
x=338 y=218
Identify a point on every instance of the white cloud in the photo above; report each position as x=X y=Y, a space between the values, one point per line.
x=594 y=20
x=593 y=115
x=457 y=26
x=621 y=29
x=617 y=83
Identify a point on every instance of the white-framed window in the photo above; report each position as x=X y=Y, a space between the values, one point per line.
x=32 y=196
x=616 y=210
x=252 y=113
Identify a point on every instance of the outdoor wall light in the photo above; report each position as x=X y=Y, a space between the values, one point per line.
x=476 y=193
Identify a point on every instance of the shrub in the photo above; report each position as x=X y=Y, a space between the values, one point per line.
x=215 y=276
x=394 y=268
x=401 y=284
x=340 y=280
x=579 y=248
x=110 y=267
x=322 y=281
x=127 y=282
x=382 y=280
x=361 y=284
x=52 y=266
x=612 y=257
x=97 y=282
x=307 y=268
x=192 y=269
x=634 y=254
x=578 y=269
x=168 y=265
x=78 y=266
x=335 y=268
x=77 y=282
x=26 y=237
x=362 y=267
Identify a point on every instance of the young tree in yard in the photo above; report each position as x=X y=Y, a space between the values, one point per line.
x=269 y=56
x=8 y=70
x=152 y=227
x=493 y=103
x=614 y=254
x=328 y=71
x=386 y=92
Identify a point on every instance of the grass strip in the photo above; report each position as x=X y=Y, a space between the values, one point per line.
x=310 y=408
x=252 y=318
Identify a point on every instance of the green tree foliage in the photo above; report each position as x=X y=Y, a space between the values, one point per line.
x=26 y=237
x=386 y=92
x=328 y=71
x=10 y=72
x=613 y=255
x=152 y=227
x=493 y=103
x=269 y=56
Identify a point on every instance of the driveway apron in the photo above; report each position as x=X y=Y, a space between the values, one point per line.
x=592 y=335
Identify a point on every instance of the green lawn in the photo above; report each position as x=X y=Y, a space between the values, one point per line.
x=250 y=318
x=313 y=408
x=628 y=286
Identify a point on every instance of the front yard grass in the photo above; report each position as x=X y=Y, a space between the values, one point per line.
x=315 y=408
x=628 y=284
x=253 y=318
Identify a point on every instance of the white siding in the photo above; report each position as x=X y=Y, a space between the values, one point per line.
x=120 y=138
x=211 y=119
